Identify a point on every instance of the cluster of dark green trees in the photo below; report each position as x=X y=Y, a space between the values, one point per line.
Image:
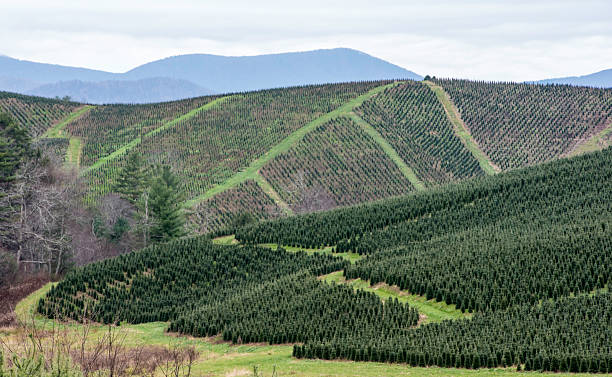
x=568 y=335
x=164 y=280
x=155 y=198
x=296 y=308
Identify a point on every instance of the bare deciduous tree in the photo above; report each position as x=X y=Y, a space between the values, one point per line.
x=46 y=213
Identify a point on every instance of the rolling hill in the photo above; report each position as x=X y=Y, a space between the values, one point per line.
x=468 y=226
x=301 y=149
x=192 y=75
x=521 y=251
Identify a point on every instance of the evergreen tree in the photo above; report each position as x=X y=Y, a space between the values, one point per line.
x=165 y=203
x=14 y=146
x=133 y=179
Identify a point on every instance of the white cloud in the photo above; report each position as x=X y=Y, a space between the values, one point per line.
x=493 y=40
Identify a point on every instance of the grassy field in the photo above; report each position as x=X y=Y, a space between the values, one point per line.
x=461 y=130
x=222 y=359
x=73 y=154
x=597 y=142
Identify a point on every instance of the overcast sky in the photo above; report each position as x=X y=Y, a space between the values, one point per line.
x=477 y=39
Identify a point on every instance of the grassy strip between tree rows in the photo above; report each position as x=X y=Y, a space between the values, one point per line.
x=389 y=150
x=57 y=131
x=461 y=130
x=127 y=147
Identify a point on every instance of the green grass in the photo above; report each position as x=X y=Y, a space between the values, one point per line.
x=433 y=311
x=351 y=257
x=250 y=172
x=389 y=150
x=461 y=130
x=222 y=359
x=595 y=142
x=73 y=153
x=269 y=190
x=225 y=240
x=57 y=131
x=127 y=147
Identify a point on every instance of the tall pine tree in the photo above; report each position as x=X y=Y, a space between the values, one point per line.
x=133 y=178
x=166 y=205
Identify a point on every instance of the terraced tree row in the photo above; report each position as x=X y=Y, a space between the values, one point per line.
x=340 y=160
x=569 y=335
x=502 y=265
x=413 y=121
x=162 y=281
x=36 y=114
x=104 y=129
x=219 y=211
x=524 y=124
x=296 y=308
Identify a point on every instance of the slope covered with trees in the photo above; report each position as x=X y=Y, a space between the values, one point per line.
x=525 y=124
x=410 y=117
x=569 y=335
x=36 y=114
x=161 y=281
x=222 y=210
x=104 y=129
x=340 y=160
x=528 y=251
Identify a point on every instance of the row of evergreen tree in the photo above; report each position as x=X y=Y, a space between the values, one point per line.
x=296 y=308
x=568 y=335
x=164 y=280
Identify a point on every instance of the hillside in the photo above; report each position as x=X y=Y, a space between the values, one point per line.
x=193 y=75
x=601 y=79
x=527 y=252
x=304 y=149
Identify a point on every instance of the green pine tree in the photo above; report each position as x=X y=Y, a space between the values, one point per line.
x=14 y=147
x=166 y=202
x=133 y=178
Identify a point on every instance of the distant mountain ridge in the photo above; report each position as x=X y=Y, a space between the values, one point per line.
x=601 y=79
x=225 y=74
x=149 y=90
x=191 y=75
